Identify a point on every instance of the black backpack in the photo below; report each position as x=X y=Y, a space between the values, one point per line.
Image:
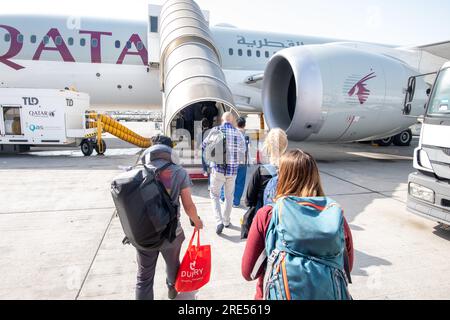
x=247 y=219
x=145 y=209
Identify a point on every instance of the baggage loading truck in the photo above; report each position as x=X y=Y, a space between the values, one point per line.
x=429 y=187
x=43 y=117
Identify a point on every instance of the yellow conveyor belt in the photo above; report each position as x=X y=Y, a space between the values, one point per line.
x=118 y=130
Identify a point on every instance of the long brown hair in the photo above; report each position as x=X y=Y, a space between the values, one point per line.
x=299 y=176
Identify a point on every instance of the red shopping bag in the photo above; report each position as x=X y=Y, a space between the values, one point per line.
x=195 y=269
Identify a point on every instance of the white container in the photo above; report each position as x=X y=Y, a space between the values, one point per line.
x=36 y=117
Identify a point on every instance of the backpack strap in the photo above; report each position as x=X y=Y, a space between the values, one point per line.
x=224 y=141
x=164 y=167
x=259 y=263
x=347 y=266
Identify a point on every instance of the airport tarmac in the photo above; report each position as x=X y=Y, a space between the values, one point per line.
x=59 y=238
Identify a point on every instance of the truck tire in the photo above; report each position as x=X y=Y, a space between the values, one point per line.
x=103 y=147
x=86 y=148
x=384 y=142
x=403 y=139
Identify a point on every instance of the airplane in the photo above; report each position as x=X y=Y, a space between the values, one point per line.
x=317 y=89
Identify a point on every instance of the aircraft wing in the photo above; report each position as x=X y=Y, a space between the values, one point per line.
x=441 y=49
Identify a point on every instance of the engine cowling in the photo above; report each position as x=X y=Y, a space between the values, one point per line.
x=337 y=93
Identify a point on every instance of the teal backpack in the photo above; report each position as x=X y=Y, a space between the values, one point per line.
x=305 y=246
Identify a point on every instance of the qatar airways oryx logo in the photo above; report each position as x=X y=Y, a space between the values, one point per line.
x=360 y=88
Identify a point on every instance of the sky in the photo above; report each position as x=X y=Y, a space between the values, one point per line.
x=399 y=22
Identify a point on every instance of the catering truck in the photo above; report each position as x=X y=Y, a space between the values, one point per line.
x=42 y=117
x=429 y=187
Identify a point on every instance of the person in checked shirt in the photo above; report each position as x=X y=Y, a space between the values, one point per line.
x=224 y=173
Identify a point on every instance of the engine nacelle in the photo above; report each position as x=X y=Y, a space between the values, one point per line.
x=337 y=93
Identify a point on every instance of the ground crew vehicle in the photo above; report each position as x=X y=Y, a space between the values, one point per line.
x=429 y=187
x=43 y=117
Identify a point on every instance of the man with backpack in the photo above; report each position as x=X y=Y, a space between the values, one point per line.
x=242 y=171
x=224 y=150
x=172 y=184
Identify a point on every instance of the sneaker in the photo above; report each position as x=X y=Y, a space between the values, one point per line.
x=236 y=206
x=172 y=294
x=222 y=201
x=219 y=229
x=228 y=226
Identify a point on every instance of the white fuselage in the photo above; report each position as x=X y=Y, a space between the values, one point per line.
x=118 y=66
x=109 y=59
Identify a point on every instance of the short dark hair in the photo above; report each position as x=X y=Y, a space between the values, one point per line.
x=162 y=140
x=241 y=122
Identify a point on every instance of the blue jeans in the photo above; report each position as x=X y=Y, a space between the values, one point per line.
x=238 y=187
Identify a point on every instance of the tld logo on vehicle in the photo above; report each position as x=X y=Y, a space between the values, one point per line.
x=30 y=101
x=34 y=127
x=69 y=102
x=42 y=114
x=360 y=88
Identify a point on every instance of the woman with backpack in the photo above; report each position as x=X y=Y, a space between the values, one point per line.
x=275 y=145
x=308 y=254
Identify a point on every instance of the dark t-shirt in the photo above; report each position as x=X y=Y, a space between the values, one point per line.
x=175 y=178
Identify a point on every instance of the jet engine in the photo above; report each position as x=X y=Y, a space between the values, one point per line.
x=337 y=93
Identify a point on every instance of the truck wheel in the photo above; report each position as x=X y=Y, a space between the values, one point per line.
x=403 y=139
x=103 y=148
x=86 y=148
x=385 y=142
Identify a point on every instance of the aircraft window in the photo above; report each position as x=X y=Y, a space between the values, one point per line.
x=58 y=40
x=20 y=38
x=240 y=52
x=94 y=43
x=140 y=45
x=7 y=37
x=117 y=44
x=249 y=53
x=230 y=52
x=70 y=41
x=46 y=39
x=267 y=54
x=82 y=42
x=128 y=45
x=258 y=53
x=153 y=24
x=33 y=39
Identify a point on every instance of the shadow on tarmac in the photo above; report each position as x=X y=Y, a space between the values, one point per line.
x=364 y=261
x=442 y=232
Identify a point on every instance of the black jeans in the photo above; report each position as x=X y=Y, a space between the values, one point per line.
x=147 y=260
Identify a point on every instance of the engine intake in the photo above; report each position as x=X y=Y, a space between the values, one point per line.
x=292 y=93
